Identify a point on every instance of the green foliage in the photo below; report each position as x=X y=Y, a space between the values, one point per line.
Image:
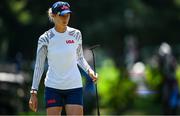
x=116 y=93
x=153 y=77
x=178 y=75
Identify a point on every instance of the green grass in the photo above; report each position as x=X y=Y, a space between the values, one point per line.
x=144 y=106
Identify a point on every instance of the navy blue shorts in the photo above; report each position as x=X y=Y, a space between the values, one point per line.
x=56 y=97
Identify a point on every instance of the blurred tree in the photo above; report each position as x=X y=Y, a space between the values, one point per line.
x=103 y=21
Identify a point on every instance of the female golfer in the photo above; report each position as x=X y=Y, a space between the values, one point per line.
x=62 y=45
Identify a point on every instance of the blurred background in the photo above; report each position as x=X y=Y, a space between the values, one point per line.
x=138 y=61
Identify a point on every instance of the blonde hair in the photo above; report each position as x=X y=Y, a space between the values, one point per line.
x=51 y=19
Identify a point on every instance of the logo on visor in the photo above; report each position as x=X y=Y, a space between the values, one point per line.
x=64 y=7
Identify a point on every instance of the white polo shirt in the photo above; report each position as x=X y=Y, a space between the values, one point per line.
x=64 y=52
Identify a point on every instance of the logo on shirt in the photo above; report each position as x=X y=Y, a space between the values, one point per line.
x=70 y=41
x=51 y=101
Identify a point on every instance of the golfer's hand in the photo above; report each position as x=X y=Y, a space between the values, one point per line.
x=93 y=76
x=33 y=102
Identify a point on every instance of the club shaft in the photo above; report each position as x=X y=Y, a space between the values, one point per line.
x=97 y=97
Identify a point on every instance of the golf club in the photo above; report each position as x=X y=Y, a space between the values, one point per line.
x=94 y=63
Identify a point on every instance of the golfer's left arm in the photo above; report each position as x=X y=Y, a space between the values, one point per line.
x=81 y=61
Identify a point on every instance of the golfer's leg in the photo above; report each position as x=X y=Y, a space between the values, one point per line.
x=72 y=109
x=54 y=111
x=53 y=101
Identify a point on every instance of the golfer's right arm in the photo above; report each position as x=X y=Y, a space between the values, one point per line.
x=38 y=71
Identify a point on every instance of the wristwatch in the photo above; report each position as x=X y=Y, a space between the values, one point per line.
x=33 y=91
